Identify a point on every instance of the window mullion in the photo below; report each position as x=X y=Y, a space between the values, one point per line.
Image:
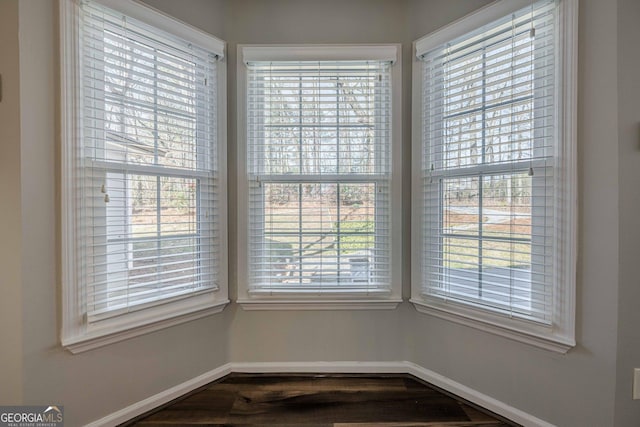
x=158 y=226
x=338 y=170
x=300 y=123
x=300 y=227
x=338 y=231
x=483 y=161
x=480 y=232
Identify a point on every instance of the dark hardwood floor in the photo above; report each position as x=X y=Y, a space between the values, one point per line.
x=319 y=401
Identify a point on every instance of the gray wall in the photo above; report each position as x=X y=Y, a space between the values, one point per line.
x=341 y=335
x=576 y=389
x=208 y=15
x=590 y=386
x=627 y=410
x=101 y=381
x=309 y=335
x=10 y=212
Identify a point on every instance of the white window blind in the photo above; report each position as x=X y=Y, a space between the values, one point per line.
x=319 y=171
x=490 y=176
x=147 y=172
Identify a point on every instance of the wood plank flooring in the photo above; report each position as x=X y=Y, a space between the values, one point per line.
x=245 y=400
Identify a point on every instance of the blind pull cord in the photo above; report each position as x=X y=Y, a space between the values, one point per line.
x=532 y=35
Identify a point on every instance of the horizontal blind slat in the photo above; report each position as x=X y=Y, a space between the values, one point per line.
x=148 y=175
x=319 y=168
x=488 y=165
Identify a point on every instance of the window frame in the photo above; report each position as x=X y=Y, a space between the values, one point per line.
x=77 y=333
x=560 y=335
x=295 y=300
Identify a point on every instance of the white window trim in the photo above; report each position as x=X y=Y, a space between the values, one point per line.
x=158 y=19
x=77 y=335
x=483 y=16
x=560 y=337
x=314 y=301
x=263 y=53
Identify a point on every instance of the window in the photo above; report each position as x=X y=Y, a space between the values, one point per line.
x=144 y=188
x=319 y=177
x=496 y=192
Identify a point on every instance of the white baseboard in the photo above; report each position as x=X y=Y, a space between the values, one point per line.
x=393 y=367
x=161 y=398
x=321 y=367
x=475 y=396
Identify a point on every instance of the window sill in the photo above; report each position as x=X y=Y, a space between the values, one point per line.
x=514 y=329
x=318 y=304
x=144 y=324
